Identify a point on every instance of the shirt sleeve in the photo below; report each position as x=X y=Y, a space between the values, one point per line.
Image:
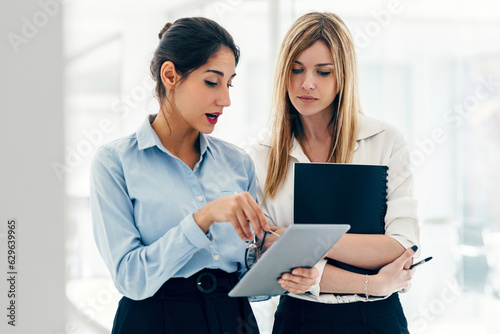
x=138 y=270
x=401 y=222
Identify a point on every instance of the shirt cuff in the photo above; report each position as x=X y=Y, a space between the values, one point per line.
x=194 y=233
x=315 y=290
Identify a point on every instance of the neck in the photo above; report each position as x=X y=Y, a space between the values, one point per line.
x=316 y=127
x=175 y=134
x=317 y=137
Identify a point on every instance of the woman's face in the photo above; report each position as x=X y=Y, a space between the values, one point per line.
x=201 y=97
x=313 y=87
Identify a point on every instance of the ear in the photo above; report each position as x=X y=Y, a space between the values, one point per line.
x=169 y=76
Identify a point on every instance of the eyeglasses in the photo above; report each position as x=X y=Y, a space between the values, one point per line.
x=254 y=250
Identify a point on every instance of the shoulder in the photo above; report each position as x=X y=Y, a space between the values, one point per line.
x=369 y=127
x=114 y=151
x=223 y=147
x=259 y=151
x=228 y=151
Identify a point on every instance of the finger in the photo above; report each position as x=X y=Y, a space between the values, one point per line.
x=306 y=281
x=407 y=255
x=258 y=217
x=242 y=221
x=408 y=264
x=310 y=273
x=238 y=229
x=253 y=216
x=273 y=228
x=293 y=286
x=264 y=224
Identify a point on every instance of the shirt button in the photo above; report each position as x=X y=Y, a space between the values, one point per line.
x=216 y=257
x=197 y=165
x=199 y=198
x=235 y=193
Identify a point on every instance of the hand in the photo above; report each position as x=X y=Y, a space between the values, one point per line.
x=237 y=209
x=393 y=276
x=300 y=280
x=271 y=238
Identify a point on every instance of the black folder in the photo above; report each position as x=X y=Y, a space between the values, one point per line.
x=328 y=193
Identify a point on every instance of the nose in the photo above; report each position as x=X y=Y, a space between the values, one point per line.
x=224 y=100
x=308 y=83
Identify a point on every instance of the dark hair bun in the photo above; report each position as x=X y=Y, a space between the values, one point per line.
x=164 y=29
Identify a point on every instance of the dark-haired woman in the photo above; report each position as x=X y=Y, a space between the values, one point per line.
x=172 y=206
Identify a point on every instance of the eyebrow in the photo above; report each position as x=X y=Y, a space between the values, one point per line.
x=317 y=65
x=219 y=73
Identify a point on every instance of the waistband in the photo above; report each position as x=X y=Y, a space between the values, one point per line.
x=205 y=282
x=344 y=312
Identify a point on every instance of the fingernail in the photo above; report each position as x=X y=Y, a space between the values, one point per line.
x=280 y=281
x=267 y=227
x=415 y=247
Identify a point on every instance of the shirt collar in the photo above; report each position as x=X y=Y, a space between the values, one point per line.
x=147 y=137
x=367 y=127
x=205 y=145
x=297 y=152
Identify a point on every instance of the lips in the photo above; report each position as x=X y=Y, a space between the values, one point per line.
x=307 y=99
x=212 y=118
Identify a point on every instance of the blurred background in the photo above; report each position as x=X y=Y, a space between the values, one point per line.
x=432 y=68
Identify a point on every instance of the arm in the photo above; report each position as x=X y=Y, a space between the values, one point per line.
x=365 y=250
x=138 y=270
x=392 y=277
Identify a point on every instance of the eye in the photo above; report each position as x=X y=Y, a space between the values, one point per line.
x=210 y=83
x=324 y=74
x=229 y=85
x=297 y=70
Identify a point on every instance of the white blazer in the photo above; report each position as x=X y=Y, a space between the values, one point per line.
x=377 y=143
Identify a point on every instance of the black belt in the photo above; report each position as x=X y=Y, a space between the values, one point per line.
x=206 y=281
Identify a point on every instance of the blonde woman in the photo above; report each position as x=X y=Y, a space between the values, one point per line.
x=318 y=118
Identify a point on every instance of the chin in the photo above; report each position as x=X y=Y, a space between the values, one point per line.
x=308 y=112
x=207 y=131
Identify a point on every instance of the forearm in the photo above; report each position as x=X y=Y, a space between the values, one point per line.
x=370 y=251
x=336 y=280
x=392 y=277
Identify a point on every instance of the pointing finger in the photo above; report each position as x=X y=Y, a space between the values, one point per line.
x=408 y=254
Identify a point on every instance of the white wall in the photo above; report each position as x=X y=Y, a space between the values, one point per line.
x=31 y=133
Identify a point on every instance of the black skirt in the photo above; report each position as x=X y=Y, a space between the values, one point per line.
x=197 y=304
x=295 y=316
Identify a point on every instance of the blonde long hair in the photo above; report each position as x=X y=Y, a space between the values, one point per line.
x=306 y=30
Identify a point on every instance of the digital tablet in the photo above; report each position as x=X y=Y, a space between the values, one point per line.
x=300 y=246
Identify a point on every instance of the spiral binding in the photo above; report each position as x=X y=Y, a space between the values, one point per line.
x=384 y=193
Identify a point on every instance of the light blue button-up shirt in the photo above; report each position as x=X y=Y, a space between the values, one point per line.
x=143 y=199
